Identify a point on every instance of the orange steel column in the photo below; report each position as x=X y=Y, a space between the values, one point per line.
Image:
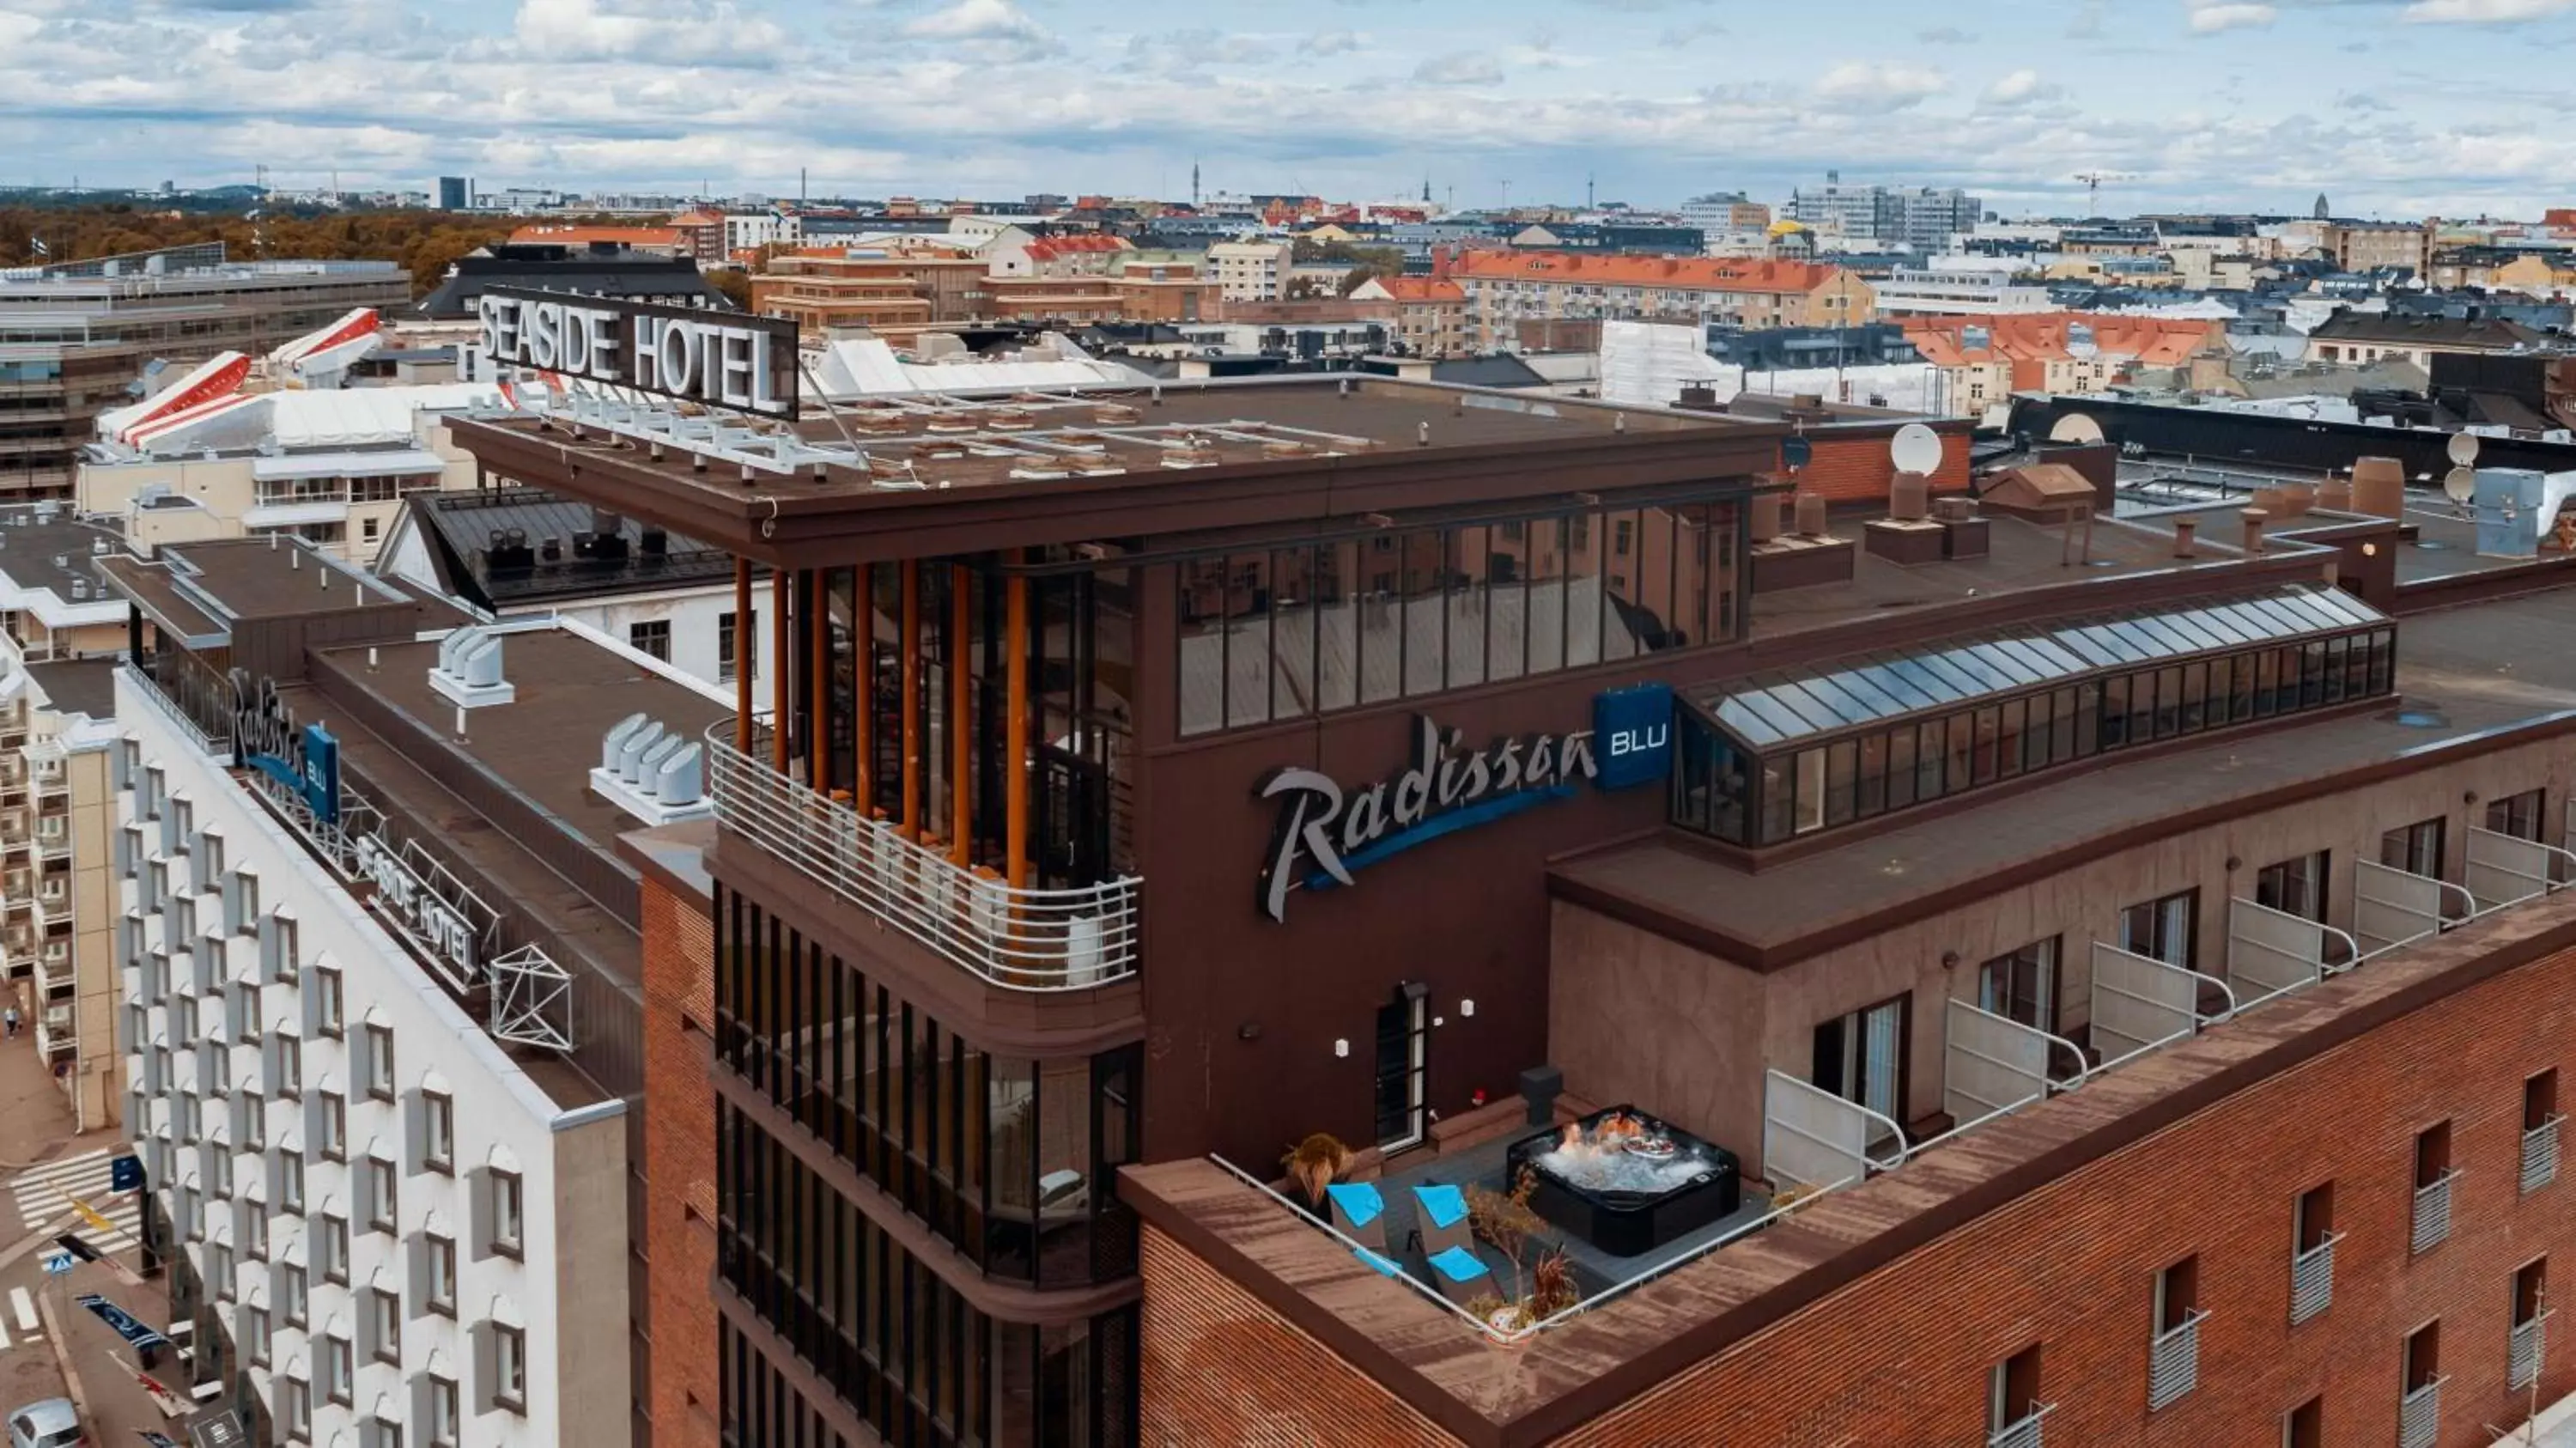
x=818 y=733
x=746 y=648
x=911 y=699
x=961 y=714
x=781 y=650
x=1015 y=771
x=863 y=680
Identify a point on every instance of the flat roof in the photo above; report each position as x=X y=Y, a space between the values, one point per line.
x=1035 y=440
x=543 y=744
x=272 y=577
x=78 y=686
x=2461 y=671
x=47 y=546
x=2020 y=555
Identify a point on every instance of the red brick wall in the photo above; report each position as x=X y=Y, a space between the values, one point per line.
x=1901 y=1357
x=1856 y=470
x=1221 y=1368
x=680 y=1162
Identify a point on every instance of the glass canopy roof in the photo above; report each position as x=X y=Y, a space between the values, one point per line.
x=1778 y=708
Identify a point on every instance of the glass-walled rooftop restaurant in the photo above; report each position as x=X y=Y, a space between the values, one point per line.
x=959 y=750
x=1784 y=756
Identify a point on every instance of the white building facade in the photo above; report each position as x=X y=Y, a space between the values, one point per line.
x=386 y=1228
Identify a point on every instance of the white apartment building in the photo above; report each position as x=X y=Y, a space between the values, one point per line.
x=1959 y=286
x=388 y=1228
x=748 y=231
x=329 y=467
x=1251 y=271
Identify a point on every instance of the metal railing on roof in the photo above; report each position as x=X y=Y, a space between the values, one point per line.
x=1016 y=937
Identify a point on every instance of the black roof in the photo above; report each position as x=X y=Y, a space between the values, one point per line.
x=1500 y=370
x=476 y=541
x=2423 y=329
x=78 y=686
x=563 y=269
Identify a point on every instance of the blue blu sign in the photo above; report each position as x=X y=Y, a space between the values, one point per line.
x=1633 y=730
x=266 y=738
x=1326 y=833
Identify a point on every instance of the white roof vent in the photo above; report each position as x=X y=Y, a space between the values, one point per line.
x=468 y=673
x=654 y=773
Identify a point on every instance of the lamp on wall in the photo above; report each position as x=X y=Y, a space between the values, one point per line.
x=1341 y=1048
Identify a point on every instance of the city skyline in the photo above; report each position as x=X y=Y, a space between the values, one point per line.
x=2391 y=107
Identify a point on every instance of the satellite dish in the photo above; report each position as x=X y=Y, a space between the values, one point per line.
x=1915 y=449
x=2075 y=427
x=2461 y=484
x=2463 y=448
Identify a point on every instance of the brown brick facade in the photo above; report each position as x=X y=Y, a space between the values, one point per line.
x=1853 y=470
x=680 y=1161
x=1221 y=1368
x=1901 y=1357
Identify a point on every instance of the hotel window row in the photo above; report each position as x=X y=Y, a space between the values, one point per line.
x=1311 y=628
x=1896 y=732
x=907 y=1354
x=1009 y=1159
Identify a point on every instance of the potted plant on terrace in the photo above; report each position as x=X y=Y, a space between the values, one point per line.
x=1315 y=1163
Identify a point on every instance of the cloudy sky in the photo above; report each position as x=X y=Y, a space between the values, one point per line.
x=2393 y=107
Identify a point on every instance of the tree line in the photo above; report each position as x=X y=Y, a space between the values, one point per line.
x=424 y=243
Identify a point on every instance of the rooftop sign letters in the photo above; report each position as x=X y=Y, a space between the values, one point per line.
x=1326 y=833
x=722 y=359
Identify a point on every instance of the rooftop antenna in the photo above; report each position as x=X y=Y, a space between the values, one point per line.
x=1587 y=191
x=2093 y=187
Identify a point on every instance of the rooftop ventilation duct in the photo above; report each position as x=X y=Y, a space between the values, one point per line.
x=652 y=772
x=468 y=673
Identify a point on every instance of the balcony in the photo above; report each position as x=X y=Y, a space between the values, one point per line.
x=2432 y=1213
x=1014 y=937
x=2540 y=1154
x=2173 y=1362
x=2024 y=1433
x=2419 y=1417
x=2312 y=1281
x=2523 y=1349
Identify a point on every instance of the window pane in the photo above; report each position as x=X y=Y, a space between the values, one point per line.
x=1202 y=625
x=1811 y=790
x=1426 y=612
x=1928 y=757
x=1547 y=593
x=1466 y=606
x=1292 y=633
x=1840 y=779
x=1873 y=776
x=1586 y=606
x=2008 y=756
x=1900 y=767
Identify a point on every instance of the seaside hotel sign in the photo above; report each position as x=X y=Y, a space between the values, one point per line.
x=722 y=359
x=1327 y=833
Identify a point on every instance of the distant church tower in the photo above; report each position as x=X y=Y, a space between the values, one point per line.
x=2324 y=212
x=1194 y=185
x=1426 y=190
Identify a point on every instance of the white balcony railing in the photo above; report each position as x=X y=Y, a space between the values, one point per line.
x=2522 y=1352
x=2024 y=1432
x=2540 y=1154
x=1020 y=939
x=2173 y=1361
x=2312 y=1281
x=2433 y=1213
x=2419 y=1416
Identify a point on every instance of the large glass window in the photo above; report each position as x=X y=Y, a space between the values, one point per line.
x=1411 y=612
x=1010 y=1160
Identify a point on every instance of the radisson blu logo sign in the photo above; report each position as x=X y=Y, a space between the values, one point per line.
x=266 y=738
x=1327 y=833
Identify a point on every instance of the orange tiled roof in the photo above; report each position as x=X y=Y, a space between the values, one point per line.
x=2039 y=337
x=568 y=235
x=1080 y=243
x=699 y=216
x=1690 y=273
x=1422 y=289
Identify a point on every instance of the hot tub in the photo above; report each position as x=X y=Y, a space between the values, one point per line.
x=1627 y=1182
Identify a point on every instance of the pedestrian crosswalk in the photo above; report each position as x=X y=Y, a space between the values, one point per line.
x=44 y=1193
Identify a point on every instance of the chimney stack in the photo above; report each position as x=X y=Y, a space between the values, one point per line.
x=1811 y=514
x=2379 y=487
x=1763 y=521
x=2254 y=518
x=2184 y=528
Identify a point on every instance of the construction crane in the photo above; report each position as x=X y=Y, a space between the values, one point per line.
x=2093 y=186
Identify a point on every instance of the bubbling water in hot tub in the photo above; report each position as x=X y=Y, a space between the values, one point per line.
x=1625 y=1153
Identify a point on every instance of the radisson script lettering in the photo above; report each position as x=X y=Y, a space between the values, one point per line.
x=1325 y=833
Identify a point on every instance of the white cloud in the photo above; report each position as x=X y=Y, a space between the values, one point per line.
x=1859 y=86
x=2484 y=12
x=2017 y=87
x=975 y=20
x=1459 y=67
x=2211 y=19
x=1330 y=42
x=590 y=30
x=1945 y=35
